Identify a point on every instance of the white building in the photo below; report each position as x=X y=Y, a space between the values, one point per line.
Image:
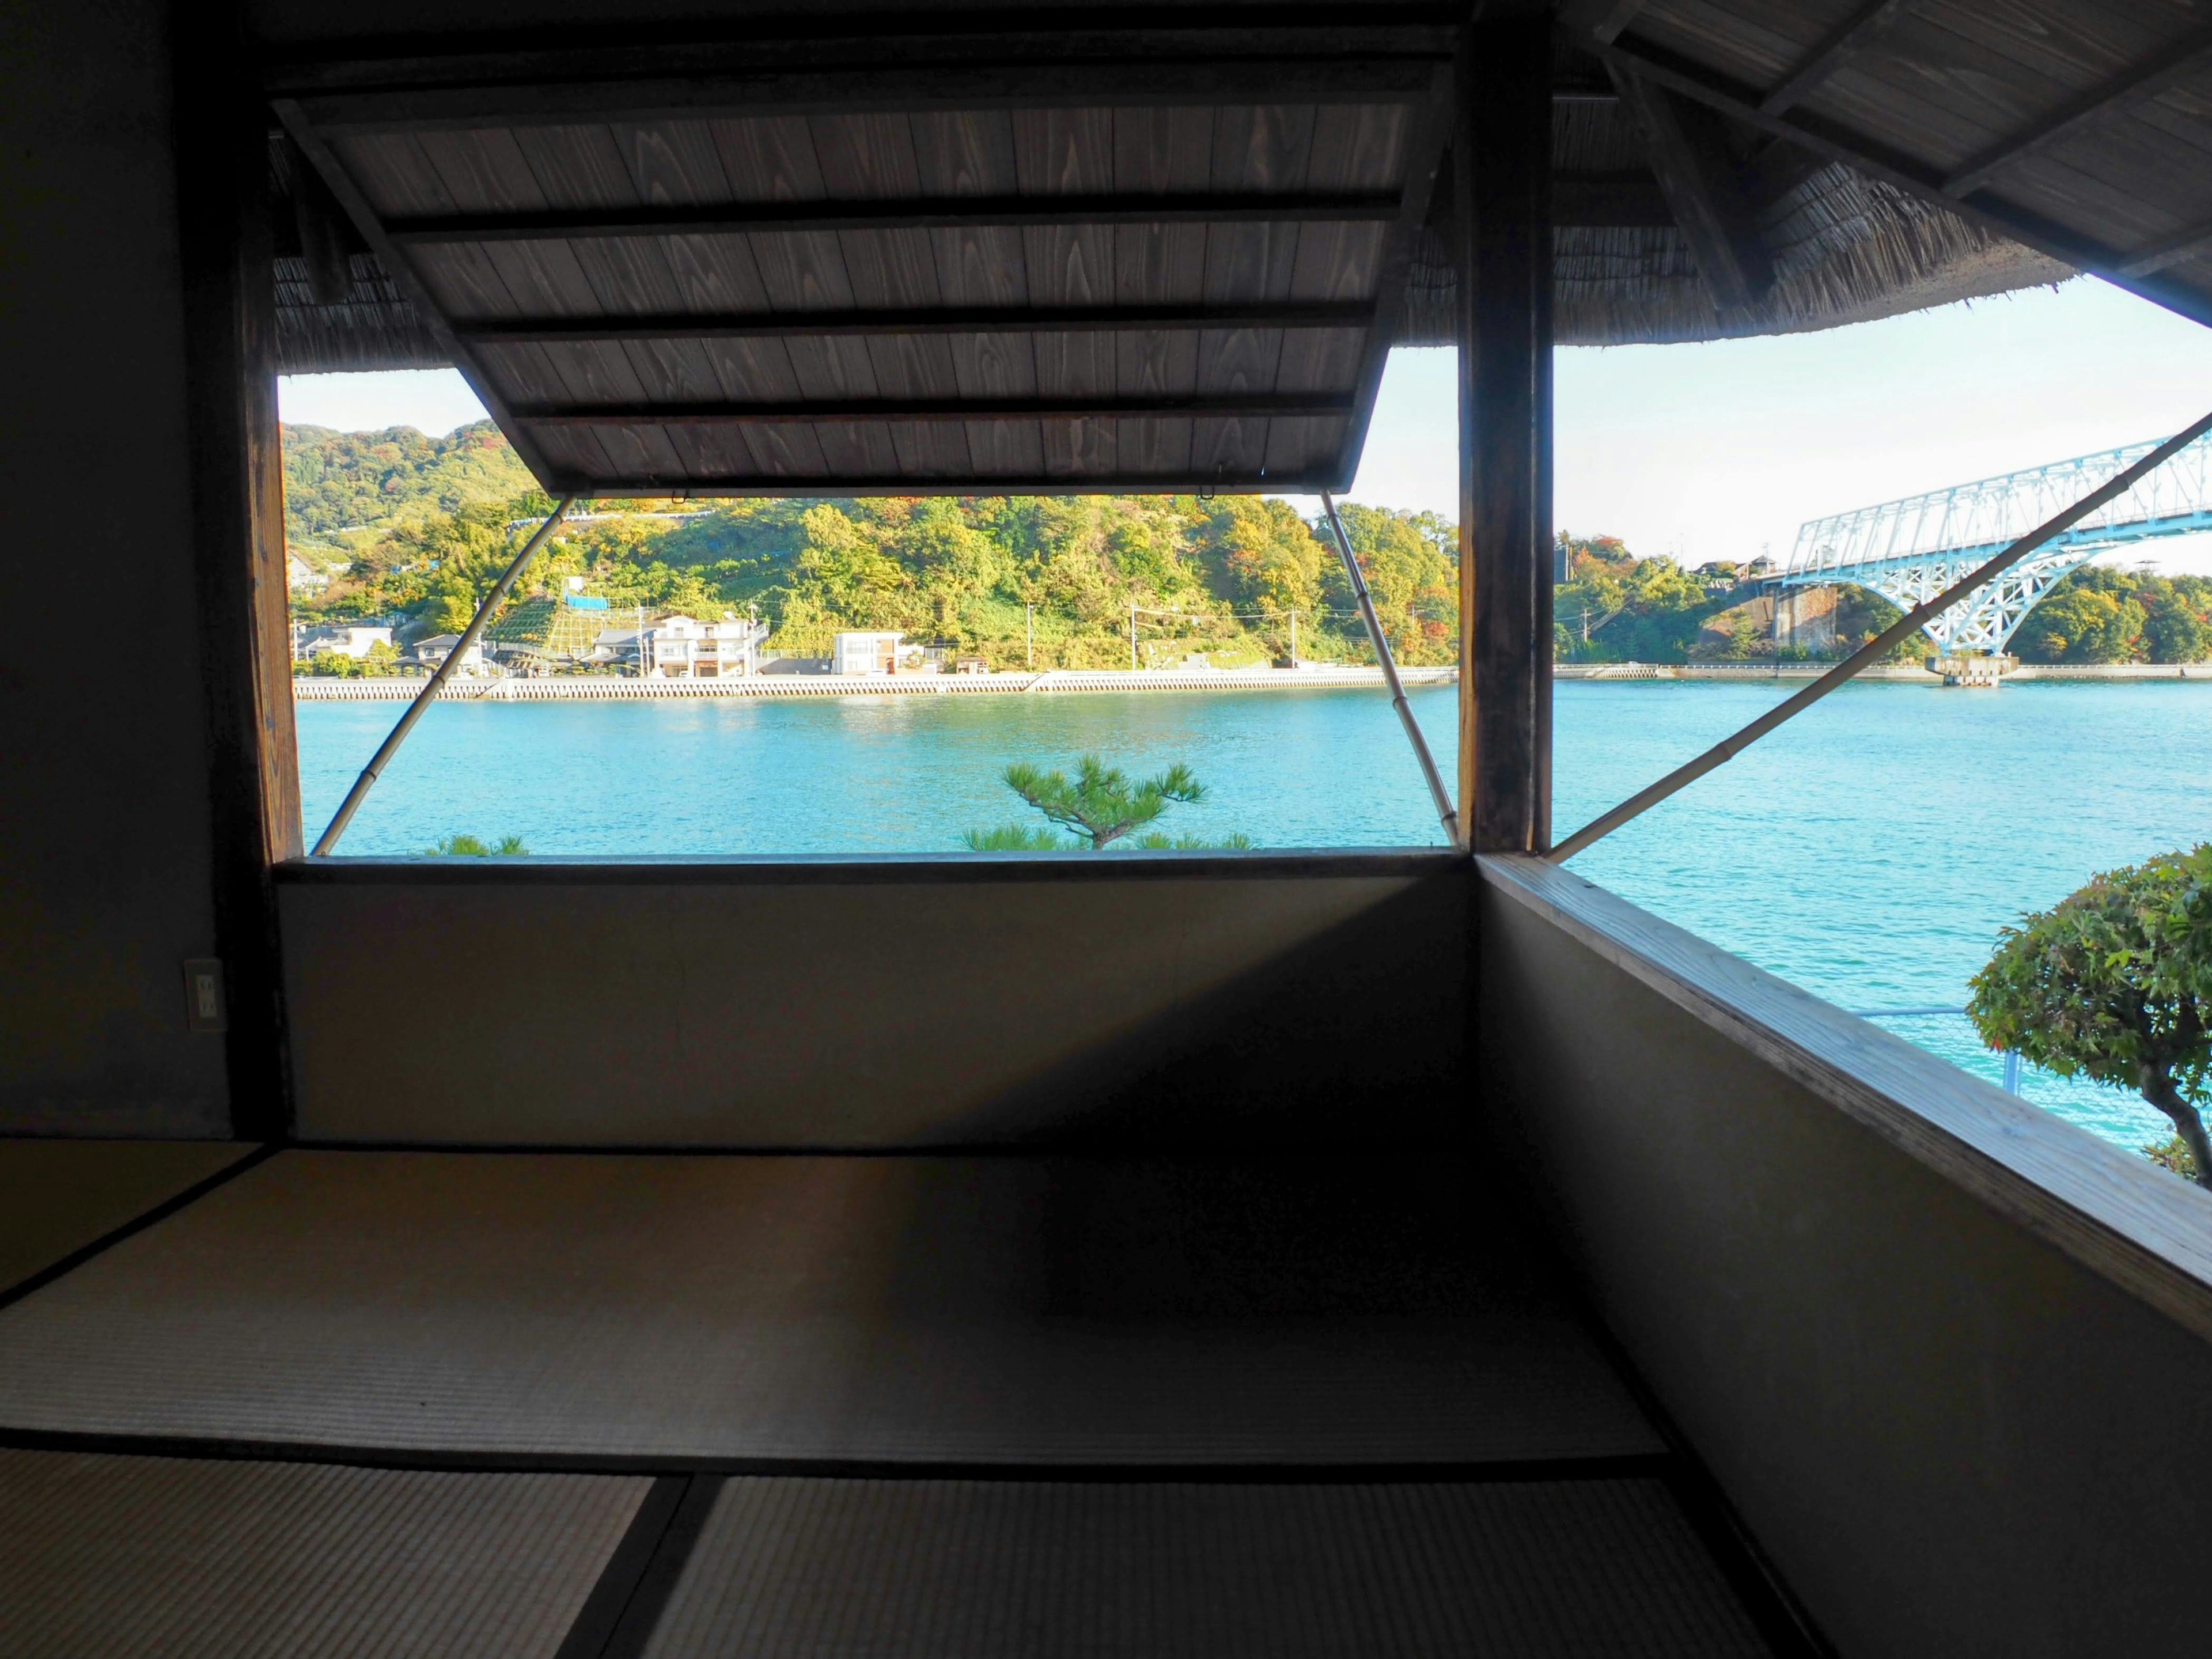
x=434 y=650
x=865 y=653
x=682 y=648
x=341 y=639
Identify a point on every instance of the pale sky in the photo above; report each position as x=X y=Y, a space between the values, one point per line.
x=1712 y=452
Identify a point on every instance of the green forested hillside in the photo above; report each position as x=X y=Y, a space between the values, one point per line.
x=1223 y=578
x=334 y=481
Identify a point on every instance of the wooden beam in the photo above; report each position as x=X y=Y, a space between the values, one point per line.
x=779 y=486
x=1863 y=29
x=1877 y=160
x=223 y=211
x=950 y=319
x=1304 y=405
x=933 y=213
x=2145 y=81
x=2168 y=251
x=857 y=87
x=1690 y=155
x=1503 y=231
x=935 y=39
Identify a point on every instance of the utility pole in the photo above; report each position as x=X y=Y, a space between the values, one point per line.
x=1029 y=636
x=1294 y=639
x=1133 y=639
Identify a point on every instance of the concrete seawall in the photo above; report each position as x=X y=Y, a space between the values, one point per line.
x=594 y=688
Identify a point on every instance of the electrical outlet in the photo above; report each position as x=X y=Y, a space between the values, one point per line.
x=204 y=1007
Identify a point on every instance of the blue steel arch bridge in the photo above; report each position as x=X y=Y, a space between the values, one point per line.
x=1910 y=550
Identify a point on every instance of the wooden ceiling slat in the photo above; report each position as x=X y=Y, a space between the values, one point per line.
x=1336 y=262
x=1152 y=447
x=1301 y=446
x=642 y=453
x=2061 y=186
x=871 y=156
x=676 y=371
x=1752 y=41
x=709 y=451
x=867 y=156
x=1358 y=147
x=1264 y=148
x=2069 y=47
x=2180 y=121
x=768 y=158
x=1082 y=448
x=971 y=153
x=464 y=282
x=484 y=173
x=1329 y=404
x=865 y=450
x=1222 y=449
x=394 y=175
x=1006 y=449
x=2075 y=119
x=754 y=368
x=579 y=168
x=794 y=452
x=1069 y=152
x=625 y=228
x=1889 y=158
x=965 y=152
x=948 y=320
x=1878 y=92
x=1158 y=151
x=671 y=162
x=572 y=454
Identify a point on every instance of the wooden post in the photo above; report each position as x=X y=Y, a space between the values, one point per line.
x=245 y=656
x=1502 y=171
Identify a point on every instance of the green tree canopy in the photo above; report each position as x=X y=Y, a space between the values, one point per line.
x=1100 y=805
x=1045 y=582
x=2114 y=982
x=2098 y=614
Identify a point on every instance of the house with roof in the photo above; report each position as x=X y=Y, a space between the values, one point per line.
x=680 y=648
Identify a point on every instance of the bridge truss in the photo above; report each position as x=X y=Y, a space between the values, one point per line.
x=1910 y=550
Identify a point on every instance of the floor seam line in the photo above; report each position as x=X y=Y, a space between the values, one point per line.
x=137 y=1224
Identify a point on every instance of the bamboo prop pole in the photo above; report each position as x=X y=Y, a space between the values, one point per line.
x=1437 y=792
x=423 y=698
x=1729 y=748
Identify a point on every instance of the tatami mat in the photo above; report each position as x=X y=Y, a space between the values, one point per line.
x=120 y=1557
x=57 y=1196
x=913 y=1310
x=931 y=1569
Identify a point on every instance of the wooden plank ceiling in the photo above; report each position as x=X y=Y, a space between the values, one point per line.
x=1116 y=262
x=2082 y=129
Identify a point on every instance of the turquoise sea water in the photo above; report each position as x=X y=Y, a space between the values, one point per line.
x=1869 y=851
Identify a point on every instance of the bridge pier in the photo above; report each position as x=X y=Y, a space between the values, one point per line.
x=1974 y=670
